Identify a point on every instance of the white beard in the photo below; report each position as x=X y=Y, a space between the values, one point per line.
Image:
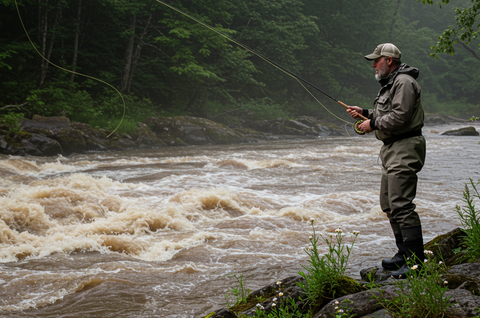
x=382 y=73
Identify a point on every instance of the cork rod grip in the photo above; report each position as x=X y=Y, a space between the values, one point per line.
x=345 y=105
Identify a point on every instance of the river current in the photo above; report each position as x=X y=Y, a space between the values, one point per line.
x=160 y=233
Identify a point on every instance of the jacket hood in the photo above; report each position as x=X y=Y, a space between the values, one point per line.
x=401 y=69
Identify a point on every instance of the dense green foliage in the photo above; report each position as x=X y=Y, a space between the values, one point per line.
x=470 y=217
x=166 y=64
x=466 y=29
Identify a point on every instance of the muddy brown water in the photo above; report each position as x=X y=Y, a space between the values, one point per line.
x=159 y=233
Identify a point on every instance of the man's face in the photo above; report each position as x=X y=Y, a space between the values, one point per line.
x=381 y=66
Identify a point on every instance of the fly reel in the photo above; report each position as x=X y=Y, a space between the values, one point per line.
x=358 y=130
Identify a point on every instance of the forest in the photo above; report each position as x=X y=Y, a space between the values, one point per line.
x=161 y=63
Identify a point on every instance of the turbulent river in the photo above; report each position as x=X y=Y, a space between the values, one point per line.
x=160 y=233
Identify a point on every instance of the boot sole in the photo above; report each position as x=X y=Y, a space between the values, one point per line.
x=393 y=267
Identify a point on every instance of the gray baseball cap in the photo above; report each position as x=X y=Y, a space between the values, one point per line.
x=385 y=49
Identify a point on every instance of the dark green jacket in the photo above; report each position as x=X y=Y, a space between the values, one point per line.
x=398 y=107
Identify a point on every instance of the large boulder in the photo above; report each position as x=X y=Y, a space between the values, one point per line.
x=465 y=131
x=95 y=139
x=46 y=146
x=181 y=130
x=57 y=128
x=362 y=303
x=302 y=126
x=23 y=143
x=146 y=137
x=321 y=128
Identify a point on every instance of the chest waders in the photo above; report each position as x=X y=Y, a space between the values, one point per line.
x=401 y=161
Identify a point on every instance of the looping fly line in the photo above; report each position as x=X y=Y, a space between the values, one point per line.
x=284 y=70
x=73 y=72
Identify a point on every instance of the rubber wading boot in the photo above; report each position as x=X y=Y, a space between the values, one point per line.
x=413 y=242
x=398 y=260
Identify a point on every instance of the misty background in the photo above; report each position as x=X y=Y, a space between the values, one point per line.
x=165 y=64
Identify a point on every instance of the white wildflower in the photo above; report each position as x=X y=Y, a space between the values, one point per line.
x=339 y=230
x=274 y=299
x=445 y=282
x=280 y=294
x=312 y=220
x=273 y=305
x=415 y=267
x=440 y=263
x=279 y=283
x=425 y=260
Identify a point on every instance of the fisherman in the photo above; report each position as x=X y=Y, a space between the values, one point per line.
x=397 y=120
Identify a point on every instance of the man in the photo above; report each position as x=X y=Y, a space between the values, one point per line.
x=397 y=119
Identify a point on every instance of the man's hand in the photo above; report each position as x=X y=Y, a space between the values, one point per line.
x=354 y=111
x=365 y=126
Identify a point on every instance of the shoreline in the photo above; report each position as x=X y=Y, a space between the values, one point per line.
x=52 y=136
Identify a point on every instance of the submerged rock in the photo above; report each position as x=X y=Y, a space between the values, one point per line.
x=465 y=131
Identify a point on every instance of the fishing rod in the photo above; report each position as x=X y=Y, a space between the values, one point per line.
x=281 y=68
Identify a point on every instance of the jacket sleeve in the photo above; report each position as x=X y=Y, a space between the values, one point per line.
x=403 y=96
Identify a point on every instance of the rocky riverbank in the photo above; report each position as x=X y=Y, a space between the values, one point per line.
x=51 y=136
x=362 y=296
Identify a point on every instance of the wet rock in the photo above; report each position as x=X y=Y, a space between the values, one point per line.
x=45 y=146
x=465 y=303
x=303 y=126
x=30 y=149
x=95 y=139
x=57 y=128
x=375 y=274
x=102 y=139
x=266 y=295
x=443 y=246
x=382 y=313
x=186 y=130
x=147 y=138
x=465 y=131
x=222 y=313
x=467 y=269
x=362 y=303
x=3 y=143
x=321 y=128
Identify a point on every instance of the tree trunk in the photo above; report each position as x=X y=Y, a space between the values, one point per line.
x=136 y=55
x=42 y=36
x=42 y=39
x=128 y=54
x=75 y=44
